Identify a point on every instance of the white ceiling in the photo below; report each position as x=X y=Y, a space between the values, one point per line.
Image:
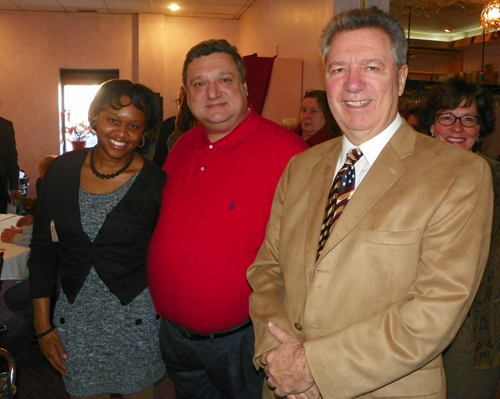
x=428 y=17
x=227 y=9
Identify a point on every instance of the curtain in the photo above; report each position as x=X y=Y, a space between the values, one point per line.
x=259 y=71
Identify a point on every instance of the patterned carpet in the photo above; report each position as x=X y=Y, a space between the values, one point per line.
x=35 y=377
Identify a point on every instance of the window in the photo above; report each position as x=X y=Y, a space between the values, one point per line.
x=78 y=88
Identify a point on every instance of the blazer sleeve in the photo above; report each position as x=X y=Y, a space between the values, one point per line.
x=13 y=165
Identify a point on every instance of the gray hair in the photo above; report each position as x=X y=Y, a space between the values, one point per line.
x=371 y=18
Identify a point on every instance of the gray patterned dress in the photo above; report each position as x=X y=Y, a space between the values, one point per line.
x=112 y=348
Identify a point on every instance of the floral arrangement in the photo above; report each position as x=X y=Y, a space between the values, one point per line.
x=79 y=132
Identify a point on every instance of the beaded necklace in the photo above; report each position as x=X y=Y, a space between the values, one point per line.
x=112 y=175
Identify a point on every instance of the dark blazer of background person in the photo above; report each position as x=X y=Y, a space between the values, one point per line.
x=9 y=168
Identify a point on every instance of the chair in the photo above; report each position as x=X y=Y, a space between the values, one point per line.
x=24 y=206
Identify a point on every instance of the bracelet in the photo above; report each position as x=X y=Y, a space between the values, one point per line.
x=45 y=333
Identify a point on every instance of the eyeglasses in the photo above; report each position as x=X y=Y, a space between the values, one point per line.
x=465 y=120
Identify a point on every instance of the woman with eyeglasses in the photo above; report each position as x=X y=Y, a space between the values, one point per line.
x=316 y=122
x=462 y=114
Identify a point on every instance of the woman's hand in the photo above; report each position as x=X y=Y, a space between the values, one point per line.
x=53 y=350
x=50 y=344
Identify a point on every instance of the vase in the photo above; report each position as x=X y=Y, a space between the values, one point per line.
x=78 y=145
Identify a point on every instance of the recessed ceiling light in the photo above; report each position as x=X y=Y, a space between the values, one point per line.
x=174 y=7
x=447 y=30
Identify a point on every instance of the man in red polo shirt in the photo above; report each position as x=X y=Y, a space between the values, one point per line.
x=221 y=179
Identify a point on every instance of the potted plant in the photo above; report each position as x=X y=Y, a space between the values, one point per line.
x=78 y=133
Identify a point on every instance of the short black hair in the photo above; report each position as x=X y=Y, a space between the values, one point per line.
x=211 y=46
x=142 y=97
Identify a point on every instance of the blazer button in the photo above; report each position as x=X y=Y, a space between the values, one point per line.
x=297 y=326
x=138 y=322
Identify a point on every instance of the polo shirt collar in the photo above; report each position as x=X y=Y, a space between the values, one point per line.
x=233 y=139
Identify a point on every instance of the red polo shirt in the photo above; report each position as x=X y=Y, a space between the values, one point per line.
x=216 y=203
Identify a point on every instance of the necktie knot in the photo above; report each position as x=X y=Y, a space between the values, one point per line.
x=353 y=156
x=340 y=193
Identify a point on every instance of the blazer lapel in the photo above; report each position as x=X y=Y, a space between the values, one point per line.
x=383 y=174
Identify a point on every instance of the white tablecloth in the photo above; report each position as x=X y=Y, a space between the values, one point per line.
x=15 y=257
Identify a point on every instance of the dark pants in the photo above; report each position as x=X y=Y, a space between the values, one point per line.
x=220 y=368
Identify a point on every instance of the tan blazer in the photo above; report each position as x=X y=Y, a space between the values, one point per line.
x=396 y=277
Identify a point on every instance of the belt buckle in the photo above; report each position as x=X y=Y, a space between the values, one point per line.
x=192 y=336
x=187 y=335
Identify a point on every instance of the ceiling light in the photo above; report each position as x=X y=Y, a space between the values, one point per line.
x=174 y=7
x=447 y=30
x=490 y=16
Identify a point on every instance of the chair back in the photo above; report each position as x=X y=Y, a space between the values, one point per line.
x=8 y=378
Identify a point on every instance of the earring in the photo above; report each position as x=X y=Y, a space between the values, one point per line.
x=143 y=142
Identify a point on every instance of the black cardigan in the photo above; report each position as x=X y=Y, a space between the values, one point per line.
x=118 y=253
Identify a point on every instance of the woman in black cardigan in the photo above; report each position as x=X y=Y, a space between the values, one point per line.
x=94 y=218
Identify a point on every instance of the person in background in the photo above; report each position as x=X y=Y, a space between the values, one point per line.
x=412 y=116
x=172 y=128
x=93 y=222
x=462 y=114
x=316 y=122
x=43 y=166
x=9 y=167
x=376 y=242
x=18 y=297
x=184 y=121
x=9 y=174
x=221 y=178
x=167 y=127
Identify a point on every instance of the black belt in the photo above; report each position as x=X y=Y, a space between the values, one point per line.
x=192 y=336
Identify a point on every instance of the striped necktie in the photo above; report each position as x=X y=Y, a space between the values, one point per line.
x=340 y=193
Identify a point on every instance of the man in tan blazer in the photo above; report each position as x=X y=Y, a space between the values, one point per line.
x=371 y=315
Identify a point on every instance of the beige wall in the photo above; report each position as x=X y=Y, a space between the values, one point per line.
x=182 y=34
x=148 y=49
x=33 y=47
x=289 y=29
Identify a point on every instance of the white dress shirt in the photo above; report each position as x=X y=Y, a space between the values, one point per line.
x=371 y=149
